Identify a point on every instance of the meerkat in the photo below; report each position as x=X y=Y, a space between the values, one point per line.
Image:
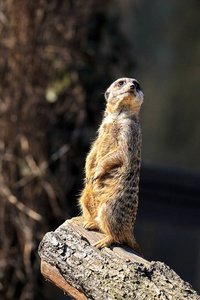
x=109 y=200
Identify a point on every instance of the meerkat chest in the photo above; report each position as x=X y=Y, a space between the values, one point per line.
x=108 y=138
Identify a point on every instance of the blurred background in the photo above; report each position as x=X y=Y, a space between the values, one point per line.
x=57 y=58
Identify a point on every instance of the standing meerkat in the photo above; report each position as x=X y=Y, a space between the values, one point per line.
x=109 y=201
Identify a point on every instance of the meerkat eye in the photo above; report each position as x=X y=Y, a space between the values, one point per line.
x=121 y=82
x=137 y=86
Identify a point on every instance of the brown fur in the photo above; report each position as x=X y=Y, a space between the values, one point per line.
x=109 y=200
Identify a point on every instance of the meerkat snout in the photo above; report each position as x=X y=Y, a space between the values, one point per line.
x=132 y=86
x=137 y=86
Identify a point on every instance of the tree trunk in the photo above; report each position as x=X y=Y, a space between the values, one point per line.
x=85 y=272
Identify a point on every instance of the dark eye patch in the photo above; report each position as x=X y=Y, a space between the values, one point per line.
x=137 y=86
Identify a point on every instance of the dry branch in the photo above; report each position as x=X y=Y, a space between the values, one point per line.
x=85 y=272
x=6 y=193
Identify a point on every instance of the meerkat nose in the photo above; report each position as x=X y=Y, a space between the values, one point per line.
x=132 y=86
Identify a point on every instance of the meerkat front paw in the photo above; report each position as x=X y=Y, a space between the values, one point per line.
x=98 y=174
x=94 y=179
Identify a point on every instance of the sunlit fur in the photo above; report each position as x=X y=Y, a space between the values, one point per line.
x=109 y=200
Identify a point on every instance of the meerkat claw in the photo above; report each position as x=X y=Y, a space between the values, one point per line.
x=94 y=179
x=105 y=242
x=90 y=225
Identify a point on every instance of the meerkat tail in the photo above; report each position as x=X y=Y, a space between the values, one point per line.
x=132 y=243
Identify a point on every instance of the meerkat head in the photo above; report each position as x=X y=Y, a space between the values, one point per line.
x=124 y=94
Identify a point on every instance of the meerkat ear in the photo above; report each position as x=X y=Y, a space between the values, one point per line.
x=107 y=95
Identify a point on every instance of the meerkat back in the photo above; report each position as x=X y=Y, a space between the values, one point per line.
x=109 y=200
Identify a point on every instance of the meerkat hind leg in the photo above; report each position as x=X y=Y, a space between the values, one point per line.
x=105 y=242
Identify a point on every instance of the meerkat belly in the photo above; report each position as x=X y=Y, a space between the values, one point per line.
x=120 y=189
